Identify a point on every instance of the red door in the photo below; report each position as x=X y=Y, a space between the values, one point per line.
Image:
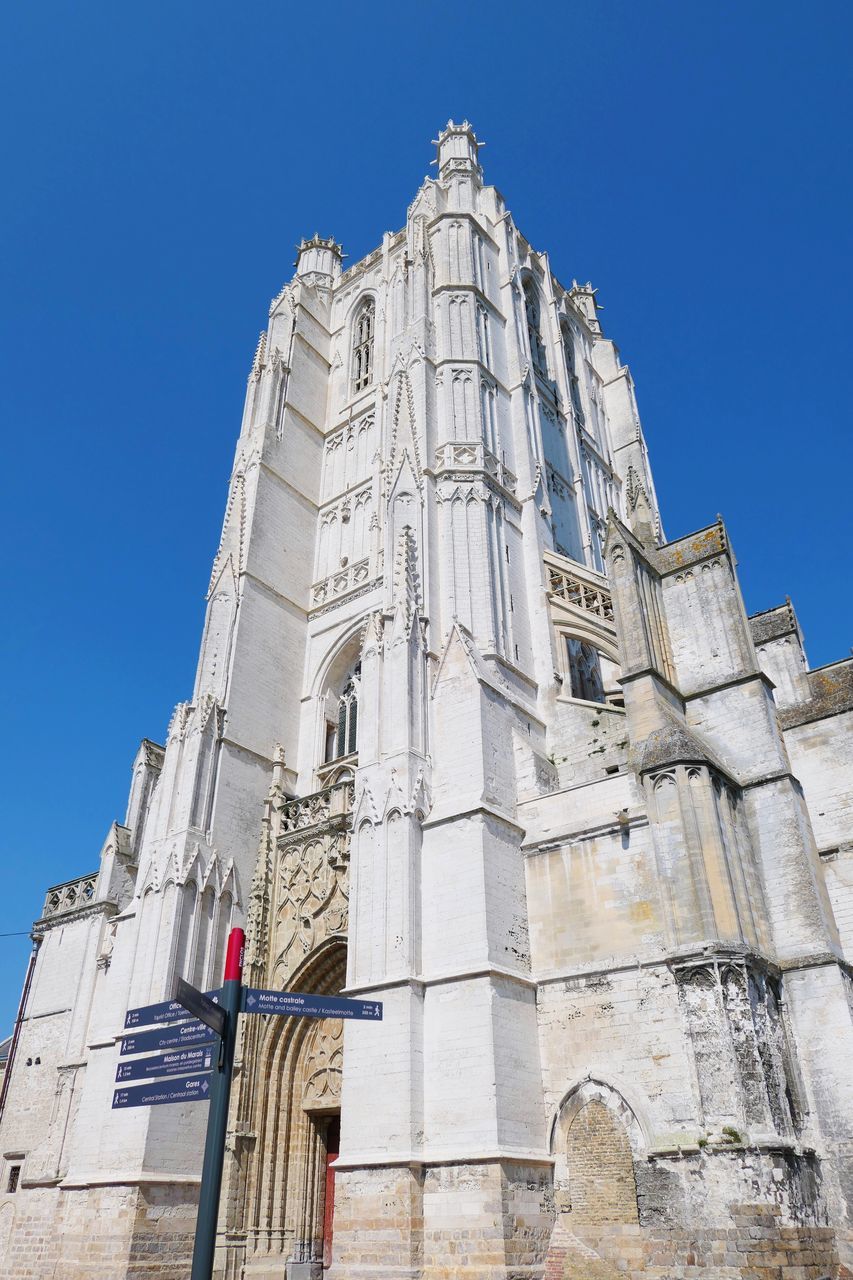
x=333 y=1147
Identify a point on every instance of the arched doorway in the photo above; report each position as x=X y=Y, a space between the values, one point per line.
x=290 y=1178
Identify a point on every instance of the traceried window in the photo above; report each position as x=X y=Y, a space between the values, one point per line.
x=584 y=670
x=342 y=738
x=362 y=346
x=534 y=330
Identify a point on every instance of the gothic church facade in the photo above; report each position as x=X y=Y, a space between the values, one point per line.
x=470 y=736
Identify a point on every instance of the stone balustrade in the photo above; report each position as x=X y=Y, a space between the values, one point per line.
x=581 y=592
x=71 y=896
x=472 y=455
x=321 y=806
x=348 y=578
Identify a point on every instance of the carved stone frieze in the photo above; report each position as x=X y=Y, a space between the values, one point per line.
x=324 y=1066
x=310 y=876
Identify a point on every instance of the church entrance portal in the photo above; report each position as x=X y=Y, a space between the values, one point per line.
x=295 y=1101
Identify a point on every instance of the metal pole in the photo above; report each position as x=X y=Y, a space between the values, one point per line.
x=217 y=1120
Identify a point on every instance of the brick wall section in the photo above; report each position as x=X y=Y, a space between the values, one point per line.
x=601 y=1171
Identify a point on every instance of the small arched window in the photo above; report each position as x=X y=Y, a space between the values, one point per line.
x=590 y=674
x=534 y=330
x=584 y=670
x=362 y=346
x=342 y=738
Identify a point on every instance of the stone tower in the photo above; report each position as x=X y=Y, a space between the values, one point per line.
x=468 y=736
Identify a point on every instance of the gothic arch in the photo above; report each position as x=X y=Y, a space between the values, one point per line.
x=296 y=1095
x=595 y=1139
x=362 y=326
x=581 y=629
x=359 y=299
x=343 y=651
x=532 y=302
x=594 y=1088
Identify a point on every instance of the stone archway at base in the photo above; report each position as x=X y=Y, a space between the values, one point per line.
x=594 y=1140
x=295 y=1112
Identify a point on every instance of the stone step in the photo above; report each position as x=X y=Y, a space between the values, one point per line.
x=571 y=1259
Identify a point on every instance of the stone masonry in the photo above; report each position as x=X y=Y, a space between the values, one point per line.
x=471 y=736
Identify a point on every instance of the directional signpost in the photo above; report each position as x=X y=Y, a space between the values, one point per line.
x=189 y=1032
x=205 y=1008
x=296 y=1005
x=168 y=1011
x=169 y=1064
x=195 y=1088
x=194 y=1037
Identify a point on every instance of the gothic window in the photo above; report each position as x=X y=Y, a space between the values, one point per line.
x=362 y=347
x=584 y=670
x=479 y=258
x=572 y=375
x=484 y=345
x=534 y=330
x=342 y=738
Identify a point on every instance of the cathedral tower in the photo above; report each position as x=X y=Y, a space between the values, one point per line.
x=470 y=737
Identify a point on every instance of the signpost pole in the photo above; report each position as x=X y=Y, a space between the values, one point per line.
x=214 y=1147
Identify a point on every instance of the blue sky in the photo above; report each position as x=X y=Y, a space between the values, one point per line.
x=160 y=164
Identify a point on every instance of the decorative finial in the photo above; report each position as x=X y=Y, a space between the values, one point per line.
x=260 y=355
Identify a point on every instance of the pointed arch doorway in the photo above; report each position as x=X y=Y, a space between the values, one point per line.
x=290 y=1181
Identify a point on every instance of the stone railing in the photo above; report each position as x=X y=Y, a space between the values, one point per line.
x=580 y=592
x=70 y=896
x=341 y=583
x=472 y=455
x=321 y=806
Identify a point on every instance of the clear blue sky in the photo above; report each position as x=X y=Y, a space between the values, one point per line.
x=160 y=162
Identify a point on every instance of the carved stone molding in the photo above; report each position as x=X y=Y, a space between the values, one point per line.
x=310 y=876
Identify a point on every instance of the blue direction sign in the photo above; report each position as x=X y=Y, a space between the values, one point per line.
x=168 y=1064
x=185 y=1033
x=305 y=1005
x=185 y=1089
x=167 y=1011
x=201 y=1006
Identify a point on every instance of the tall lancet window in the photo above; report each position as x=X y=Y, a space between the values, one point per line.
x=534 y=330
x=342 y=738
x=572 y=374
x=362 y=345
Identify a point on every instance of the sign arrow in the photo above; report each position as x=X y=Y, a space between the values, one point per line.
x=166 y=1011
x=186 y=1033
x=200 y=1005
